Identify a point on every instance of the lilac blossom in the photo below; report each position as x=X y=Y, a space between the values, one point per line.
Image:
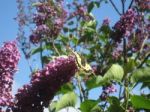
x=9 y=57
x=107 y=90
x=125 y=25
x=44 y=84
x=49 y=21
x=106 y=22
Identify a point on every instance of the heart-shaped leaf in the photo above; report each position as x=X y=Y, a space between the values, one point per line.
x=68 y=99
x=116 y=72
x=141 y=75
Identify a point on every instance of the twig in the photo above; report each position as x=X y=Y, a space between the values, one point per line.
x=131 y=4
x=27 y=59
x=41 y=55
x=120 y=90
x=143 y=43
x=144 y=61
x=124 y=50
x=79 y=86
x=105 y=105
x=123 y=6
x=56 y=50
x=115 y=7
x=141 y=49
x=127 y=98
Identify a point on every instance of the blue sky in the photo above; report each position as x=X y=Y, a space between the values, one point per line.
x=8 y=27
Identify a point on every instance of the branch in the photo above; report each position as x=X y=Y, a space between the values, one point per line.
x=145 y=59
x=41 y=55
x=124 y=50
x=123 y=6
x=115 y=7
x=26 y=57
x=55 y=48
x=131 y=4
x=80 y=90
x=141 y=49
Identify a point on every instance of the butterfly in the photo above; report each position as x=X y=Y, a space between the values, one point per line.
x=81 y=64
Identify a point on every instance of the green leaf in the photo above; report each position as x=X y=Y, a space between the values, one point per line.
x=71 y=23
x=68 y=87
x=90 y=106
x=91 y=24
x=63 y=39
x=114 y=105
x=129 y=66
x=45 y=59
x=36 y=4
x=37 y=50
x=140 y=102
x=92 y=5
x=106 y=30
x=103 y=38
x=52 y=106
x=94 y=82
x=116 y=73
x=141 y=75
x=74 y=40
x=68 y=99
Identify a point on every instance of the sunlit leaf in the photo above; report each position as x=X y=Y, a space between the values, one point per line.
x=115 y=72
x=68 y=87
x=52 y=106
x=141 y=75
x=68 y=99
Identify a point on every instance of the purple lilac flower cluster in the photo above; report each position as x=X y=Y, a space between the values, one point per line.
x=44 y=84
x=107 y=90
x=81 y=11
x=9 y=57
x=106 y=22
x=143 y=4
x=141 y=33
x=49 y=21
x=125 y=25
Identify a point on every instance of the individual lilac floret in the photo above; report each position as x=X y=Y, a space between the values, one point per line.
x=107 y=90
x=110 y=89
x=106 y=22
x=9 y=57
x=44 y=84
